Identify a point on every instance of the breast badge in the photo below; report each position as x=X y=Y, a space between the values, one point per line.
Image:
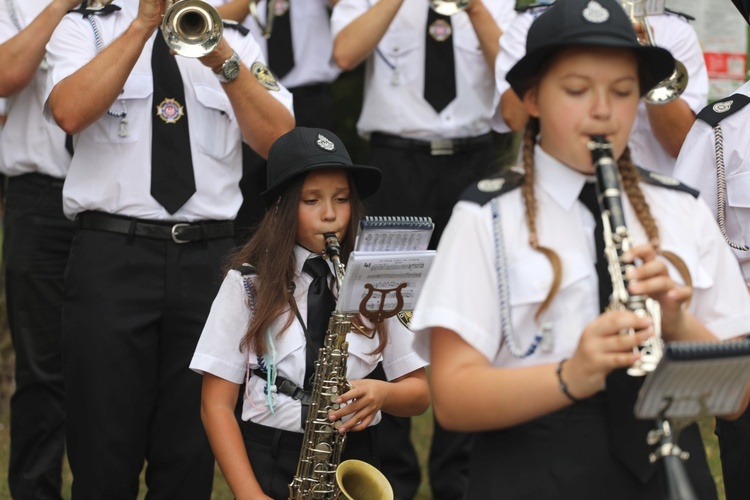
x=170 y=111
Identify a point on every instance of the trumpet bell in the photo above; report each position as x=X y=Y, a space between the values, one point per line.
x=448 y=7
x=192 y=28
x=670 y=88
x=359 y=480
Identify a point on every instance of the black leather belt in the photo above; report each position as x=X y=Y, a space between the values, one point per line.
x=178 y=232
x=434 y=148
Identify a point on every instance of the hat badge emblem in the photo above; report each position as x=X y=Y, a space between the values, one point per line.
x=325 y=143
x=722 y=107
x=595 y=13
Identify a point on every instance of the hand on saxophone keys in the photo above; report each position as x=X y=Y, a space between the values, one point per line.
x=362 y=401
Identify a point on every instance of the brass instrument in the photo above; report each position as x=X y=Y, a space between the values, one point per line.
x=320 y=472
x=617 y=241
x=448 y=7
x=271 y=10
x=191 y=28
x=675 y=84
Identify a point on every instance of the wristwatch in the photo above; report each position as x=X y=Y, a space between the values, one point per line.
x=230 y=69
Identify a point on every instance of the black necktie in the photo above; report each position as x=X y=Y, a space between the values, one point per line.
x=69 y=144
x=627 y=434
x=280 y=51
x=172 y=178
x=320 y=305
x=439 y=61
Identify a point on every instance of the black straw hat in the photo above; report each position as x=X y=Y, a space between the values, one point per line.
x=302 y=150
x=596 y=23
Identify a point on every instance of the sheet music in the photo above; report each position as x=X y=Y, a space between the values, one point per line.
x=694 y=380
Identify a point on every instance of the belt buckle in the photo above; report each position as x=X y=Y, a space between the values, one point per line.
x=443 y=147
x=174 y=233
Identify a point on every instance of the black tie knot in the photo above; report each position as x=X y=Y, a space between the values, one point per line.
x=588 y=198
x=316 y=267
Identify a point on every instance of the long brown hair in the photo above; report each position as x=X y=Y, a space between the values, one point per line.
x=271 y=252
x=631 y=187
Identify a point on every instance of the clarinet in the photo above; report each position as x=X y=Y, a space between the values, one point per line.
x=617 y=241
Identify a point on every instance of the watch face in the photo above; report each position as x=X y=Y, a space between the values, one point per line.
x=231 y=68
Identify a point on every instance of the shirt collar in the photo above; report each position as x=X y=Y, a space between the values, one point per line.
x=562 y=183
x=301 y=254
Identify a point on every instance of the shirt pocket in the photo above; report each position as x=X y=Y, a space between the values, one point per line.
x=211 y=122
x=134 y=101
x=738 y=199
x=360 y=362
x=399 y=50
x=530 y=281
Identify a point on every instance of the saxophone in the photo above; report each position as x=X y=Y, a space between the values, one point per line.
x=617 y=241
x=320 y=475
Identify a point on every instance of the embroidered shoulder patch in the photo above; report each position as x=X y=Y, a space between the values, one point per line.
x=483 y=191
x=265 y=76
x=719 y=110
x=665 y=181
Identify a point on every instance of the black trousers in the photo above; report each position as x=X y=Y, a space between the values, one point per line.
x=566 y=455
x=313 y=107
x=416 y=183
x=274 y=454
x=734 y=444
x=36 y=245
x=134 y=310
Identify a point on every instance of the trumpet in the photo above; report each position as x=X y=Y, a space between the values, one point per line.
x=672 y=86
x=448 y=7
x=273 y=7
x=191 y=28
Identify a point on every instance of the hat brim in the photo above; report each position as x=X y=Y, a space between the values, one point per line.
x=366 y=178
x=654 y=63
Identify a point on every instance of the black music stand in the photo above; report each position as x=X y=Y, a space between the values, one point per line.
x=693 y=380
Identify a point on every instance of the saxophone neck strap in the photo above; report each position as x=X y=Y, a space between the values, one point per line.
x=286 y=386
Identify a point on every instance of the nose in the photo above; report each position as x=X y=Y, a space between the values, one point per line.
x=601 y=107
x=328 y=212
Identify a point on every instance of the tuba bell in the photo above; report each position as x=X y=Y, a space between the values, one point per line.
x=674 y=85
x=191 y=28
x=448 y=7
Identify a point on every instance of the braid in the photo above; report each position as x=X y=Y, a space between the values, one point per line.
x=630 y=185
x=630 y=179
x=527 y=190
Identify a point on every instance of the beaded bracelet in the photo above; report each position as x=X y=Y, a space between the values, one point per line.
x=563 y=385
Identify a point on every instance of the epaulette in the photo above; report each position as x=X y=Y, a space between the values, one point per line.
x=246 y=269
x=687 y=17
x=102 y=11
x=534 y=6
x=483 y=191
x=657 y=179
x=234 y=25
x=718 y=110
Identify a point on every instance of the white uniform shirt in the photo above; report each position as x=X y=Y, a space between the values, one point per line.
x=461 y=292
x=312 y=42
x=671 y=32
x=113 y=173
x=394 y=78
x=696 y=166
x=218 y=350
x=29 y=144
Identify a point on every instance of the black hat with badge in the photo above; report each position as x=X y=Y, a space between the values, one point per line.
x=302 y=150
x=595 y=23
